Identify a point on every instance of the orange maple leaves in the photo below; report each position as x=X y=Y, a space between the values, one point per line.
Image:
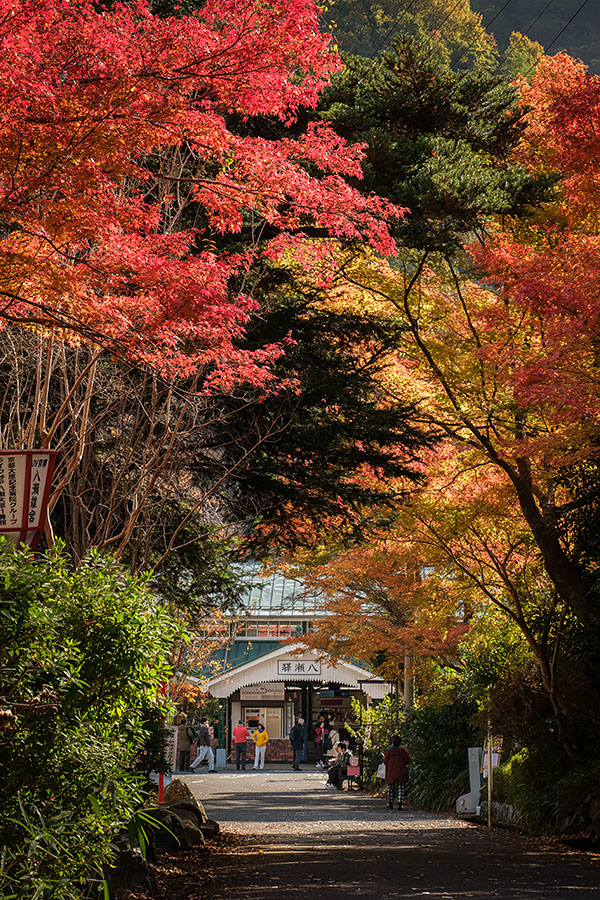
x=548 y=271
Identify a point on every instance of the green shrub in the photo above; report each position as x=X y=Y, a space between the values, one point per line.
x=437 y=738
x=82 y=654
x=375 y=727
x=511 y=781
x=545 y=796
x=529 y=788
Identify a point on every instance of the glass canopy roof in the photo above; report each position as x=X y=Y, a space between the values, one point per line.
x=272 y=594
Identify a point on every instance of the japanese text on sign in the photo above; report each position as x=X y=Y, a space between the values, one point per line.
x=24 y=482
x=298 y=667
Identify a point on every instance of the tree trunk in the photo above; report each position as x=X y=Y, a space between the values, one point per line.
x=409 y=681
x=570 y=586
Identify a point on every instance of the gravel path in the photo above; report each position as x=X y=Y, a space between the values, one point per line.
x=301 y=840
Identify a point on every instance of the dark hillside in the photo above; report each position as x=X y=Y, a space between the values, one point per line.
x=581 y=38
x=363 y=26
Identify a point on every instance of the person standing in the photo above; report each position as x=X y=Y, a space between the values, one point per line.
x=334 y=739
x=396 y=761
x=318 y=731
x=261 y=739
x=204 y=747
x=186 y=736
x=297 y=742
x=324 y=743
x=240 y=736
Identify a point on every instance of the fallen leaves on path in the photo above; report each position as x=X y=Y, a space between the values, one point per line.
x=187 y=874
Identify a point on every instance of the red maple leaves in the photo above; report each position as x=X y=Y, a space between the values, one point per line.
x=548 y=272
x=118 y=163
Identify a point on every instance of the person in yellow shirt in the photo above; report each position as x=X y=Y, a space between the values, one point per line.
x=261 y=739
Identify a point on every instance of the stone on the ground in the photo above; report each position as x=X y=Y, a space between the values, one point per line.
x=192 y=820
x=178 y=826
x=129 y=873
x=168 y=833
x=210 y=828
x=191 y=809
x=177 y=791
x=193 y=834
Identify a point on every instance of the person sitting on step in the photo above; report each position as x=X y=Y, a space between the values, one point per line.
x=338 y=767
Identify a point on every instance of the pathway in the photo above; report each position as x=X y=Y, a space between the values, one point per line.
x=304 y=841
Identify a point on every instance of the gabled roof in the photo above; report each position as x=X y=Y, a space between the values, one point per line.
x=237 y=653
x=263 y=669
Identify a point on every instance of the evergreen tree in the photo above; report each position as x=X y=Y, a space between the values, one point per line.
x=365 y=27
x=438 y=142
x=332 y=427
x=544 y=23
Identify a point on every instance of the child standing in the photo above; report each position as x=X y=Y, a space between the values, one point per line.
x=396 y=761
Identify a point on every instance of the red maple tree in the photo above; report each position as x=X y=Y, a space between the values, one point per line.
x=547 y=269
x=114 y=124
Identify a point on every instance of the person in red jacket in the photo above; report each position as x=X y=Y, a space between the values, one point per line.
x=396 y=761
x=240 y=736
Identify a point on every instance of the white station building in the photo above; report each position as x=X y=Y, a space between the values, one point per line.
x=259 y=678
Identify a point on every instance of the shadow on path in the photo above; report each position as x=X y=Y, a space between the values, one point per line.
x=301 y=839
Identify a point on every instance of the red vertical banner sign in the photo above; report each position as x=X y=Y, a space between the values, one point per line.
x=25 y=481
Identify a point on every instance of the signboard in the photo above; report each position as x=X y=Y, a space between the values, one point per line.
x=25 y=478
x=274 y=691
x=335 y=701
x=298 y=667
x=289 y=717
x=496 y=753
x=172 y=746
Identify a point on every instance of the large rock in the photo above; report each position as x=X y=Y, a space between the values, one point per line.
x=181 y=820
x=193 y=834
x=178 y=790
x=129 y=872
x=168 y=833
x=210 y=828
x=178 y=826
x=190 y=809
x=191 y=818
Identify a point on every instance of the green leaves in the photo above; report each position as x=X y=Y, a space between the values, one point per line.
x=329 y=427
x=81 y=660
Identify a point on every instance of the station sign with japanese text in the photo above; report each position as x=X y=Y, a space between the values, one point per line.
x=298 y=668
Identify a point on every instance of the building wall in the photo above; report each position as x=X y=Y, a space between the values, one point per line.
x=236 y=715
x=279 y=751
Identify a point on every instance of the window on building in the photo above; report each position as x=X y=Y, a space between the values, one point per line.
x=289 y=629
x=268 y=630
